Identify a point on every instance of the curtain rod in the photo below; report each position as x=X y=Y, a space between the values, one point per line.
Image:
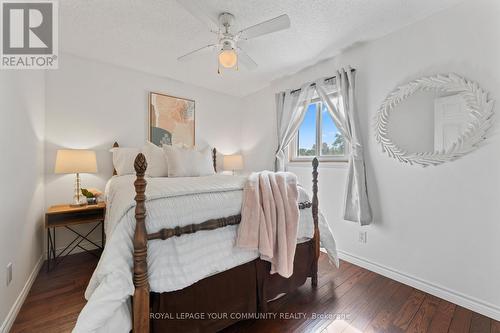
x=327 y=79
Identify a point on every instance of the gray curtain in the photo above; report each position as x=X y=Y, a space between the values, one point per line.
x=341 y=107
x=290 y=111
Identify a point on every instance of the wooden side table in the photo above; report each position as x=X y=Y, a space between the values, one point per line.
x=68 y=217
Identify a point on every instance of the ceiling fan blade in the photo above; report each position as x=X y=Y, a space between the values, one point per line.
x=245 y=60
x=200 y=11
x=196 y=52
x=276 y=24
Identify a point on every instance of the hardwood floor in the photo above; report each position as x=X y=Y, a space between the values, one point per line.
x=56 y=298
x=350 y=299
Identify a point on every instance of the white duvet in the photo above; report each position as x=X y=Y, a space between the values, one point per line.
x=178 y=262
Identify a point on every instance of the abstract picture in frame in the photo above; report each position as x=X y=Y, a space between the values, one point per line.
x=171 y=120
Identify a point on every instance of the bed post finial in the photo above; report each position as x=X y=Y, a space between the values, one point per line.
x=141 y=295
x=140 y=164
x=315 y=204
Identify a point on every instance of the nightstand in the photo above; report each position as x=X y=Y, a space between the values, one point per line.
x=68 y=217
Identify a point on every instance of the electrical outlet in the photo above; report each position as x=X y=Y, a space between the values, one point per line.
x=8 y=270
x=362 y=237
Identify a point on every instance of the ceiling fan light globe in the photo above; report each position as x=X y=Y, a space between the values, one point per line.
x=228 y=58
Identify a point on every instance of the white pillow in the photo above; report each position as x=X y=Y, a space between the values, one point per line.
x=157 y=164
x=123 y=160
x=184 y=162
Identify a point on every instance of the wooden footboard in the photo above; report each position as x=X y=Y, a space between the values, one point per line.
x=140 y=302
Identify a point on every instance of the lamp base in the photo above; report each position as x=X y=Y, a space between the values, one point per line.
x=78 y=199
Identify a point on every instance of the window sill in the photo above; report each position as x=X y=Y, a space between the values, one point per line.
x=340 y=164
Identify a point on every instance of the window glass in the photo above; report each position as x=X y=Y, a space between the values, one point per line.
x=318 y=136
x=332 y=142
x=307 y=133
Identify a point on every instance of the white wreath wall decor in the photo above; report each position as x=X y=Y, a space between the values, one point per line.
x=477 y=104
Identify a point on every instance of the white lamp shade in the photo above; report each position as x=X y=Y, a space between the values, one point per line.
x=233 y=162
x=75 y=161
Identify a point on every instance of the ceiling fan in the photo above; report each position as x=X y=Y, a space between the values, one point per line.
x=230 y=54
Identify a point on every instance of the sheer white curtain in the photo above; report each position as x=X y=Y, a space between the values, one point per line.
x=290 y=111
x=341 y=107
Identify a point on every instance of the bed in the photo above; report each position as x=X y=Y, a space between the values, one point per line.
x=208 y=279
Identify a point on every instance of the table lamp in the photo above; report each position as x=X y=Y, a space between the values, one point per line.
x=233 y=162
x=76 y=161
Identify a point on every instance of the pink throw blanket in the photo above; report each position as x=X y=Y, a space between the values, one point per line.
x=269 y=219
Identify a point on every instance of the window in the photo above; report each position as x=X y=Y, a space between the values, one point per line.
x=318 y=136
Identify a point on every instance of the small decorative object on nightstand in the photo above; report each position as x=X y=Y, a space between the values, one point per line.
x=76 y=161
x=68 y=217
x=233 y=162
x=92 y=195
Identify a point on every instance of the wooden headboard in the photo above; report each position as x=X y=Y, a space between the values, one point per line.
x=214 y=158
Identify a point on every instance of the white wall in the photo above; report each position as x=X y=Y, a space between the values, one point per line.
x=258 y=134
x=438 y=225
x=22 y=105
x=92 y=104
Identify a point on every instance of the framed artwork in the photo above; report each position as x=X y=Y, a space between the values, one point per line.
x=171 y=120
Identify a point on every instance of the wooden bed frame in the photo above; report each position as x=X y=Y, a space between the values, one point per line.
x=274 y=284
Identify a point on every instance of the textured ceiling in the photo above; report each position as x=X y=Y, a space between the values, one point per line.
x=148 y=35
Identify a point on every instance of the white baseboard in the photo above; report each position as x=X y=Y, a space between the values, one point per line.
x=469 y=302
x=14 y=310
